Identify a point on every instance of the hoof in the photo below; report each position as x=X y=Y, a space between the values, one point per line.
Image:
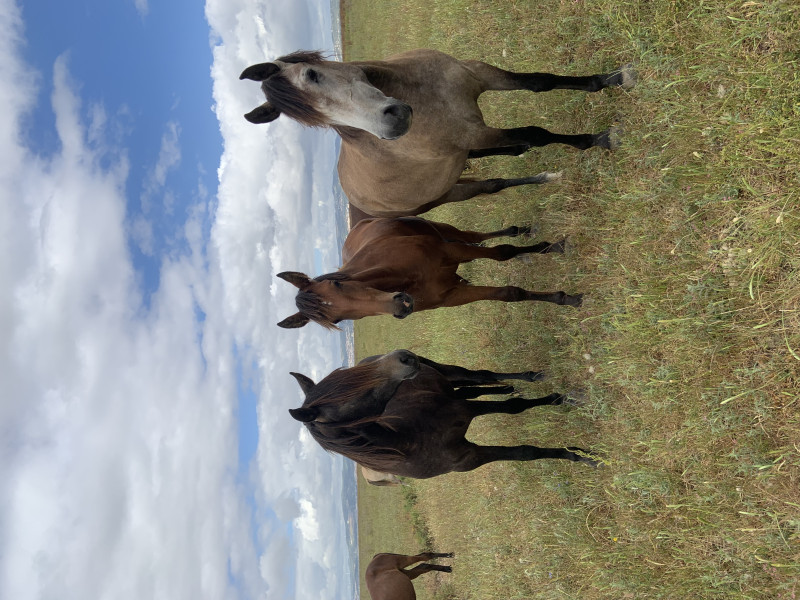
x=586 y=457
x=609 y=139
x=575 y=398
x=534 y=376
x=575 y=300
x=628 y=77
x=551 y=175
x=559 y=246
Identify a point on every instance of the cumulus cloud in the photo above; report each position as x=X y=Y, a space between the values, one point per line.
x=118 y=416
x=275 y=214
x=117 y=422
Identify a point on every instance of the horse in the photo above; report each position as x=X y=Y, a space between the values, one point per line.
x=400 y=265
x=409 y=123
x=380 y=479
x=404 y=414
x=388 y=577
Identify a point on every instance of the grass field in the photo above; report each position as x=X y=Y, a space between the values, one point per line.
x=686 y=242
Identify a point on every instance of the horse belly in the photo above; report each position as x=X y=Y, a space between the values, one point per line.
x=399 y=186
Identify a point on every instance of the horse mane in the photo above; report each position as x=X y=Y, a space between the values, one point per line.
x=289 y=100
x=310 y=304
x=363 y=439
x=359 y=443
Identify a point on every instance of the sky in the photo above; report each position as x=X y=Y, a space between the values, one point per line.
x=145 y=447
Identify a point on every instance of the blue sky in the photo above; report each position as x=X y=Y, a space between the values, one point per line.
x=145 y=447
x=153 y=71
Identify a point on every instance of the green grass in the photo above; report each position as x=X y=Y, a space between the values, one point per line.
x=686 y=242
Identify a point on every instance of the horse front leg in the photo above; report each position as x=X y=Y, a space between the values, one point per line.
x=465 y=293
x=465 y=189
x=494 y=78
x=498 y=141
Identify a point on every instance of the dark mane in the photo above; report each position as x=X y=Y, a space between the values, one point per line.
x=289 y=100
x=310 y=304
x=344 y=385
x=360 y=443
x=366 y=439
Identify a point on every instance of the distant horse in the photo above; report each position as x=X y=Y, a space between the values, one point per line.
x=404 y=414
x=396 y=266
x=392 y=165
x=388 y=578
x=373 y=477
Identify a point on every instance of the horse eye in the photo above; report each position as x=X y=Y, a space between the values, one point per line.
x=312 y=75
x=338 y=284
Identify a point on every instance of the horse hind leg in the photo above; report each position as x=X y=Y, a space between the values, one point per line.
x=460 y=376
x=481 y=455
x=502 y=252
x=464 y=190
x=426 y=568
x=514 y=406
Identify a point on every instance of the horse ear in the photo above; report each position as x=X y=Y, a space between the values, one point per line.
x=293 y=322
x=266 y=113
x=298 y=280
x=260 y=72
x=304 y=414
x=305 y=383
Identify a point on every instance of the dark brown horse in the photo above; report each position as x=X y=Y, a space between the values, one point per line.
x=392 y=165
x=388 y=577
x=396 y=266
x=404 y=414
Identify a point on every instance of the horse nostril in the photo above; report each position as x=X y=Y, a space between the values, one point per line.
x=398 y=111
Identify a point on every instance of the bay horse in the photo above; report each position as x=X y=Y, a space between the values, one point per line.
x=400 y=265
x=404 y=414
x=409 y=123
x=389 y=578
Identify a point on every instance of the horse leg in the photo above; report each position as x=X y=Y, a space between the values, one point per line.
x=426 y=568
x=465 y=293
x=453 y=234
x=480 y=455
x=514 y=406
x=474 y=391
x=464 y=189
x=496 y=141
x=502 y=252
x=459 y=376
x=494 y=78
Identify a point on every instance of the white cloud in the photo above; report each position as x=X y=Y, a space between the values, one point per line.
x=141 y=7
x=117 y=422
x=274 y=214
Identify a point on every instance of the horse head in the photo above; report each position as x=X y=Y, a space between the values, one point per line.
x=321 y=93
x=335 y=297
x=357 y=393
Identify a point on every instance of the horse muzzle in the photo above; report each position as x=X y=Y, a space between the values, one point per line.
x=397 y=118
x=403 y=305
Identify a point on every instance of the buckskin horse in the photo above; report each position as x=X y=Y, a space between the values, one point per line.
x=407 y=415
x=391 y=164
x=388 y=577
x=400 y=265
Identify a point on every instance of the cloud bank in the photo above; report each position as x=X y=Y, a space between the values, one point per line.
x=118 y=418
